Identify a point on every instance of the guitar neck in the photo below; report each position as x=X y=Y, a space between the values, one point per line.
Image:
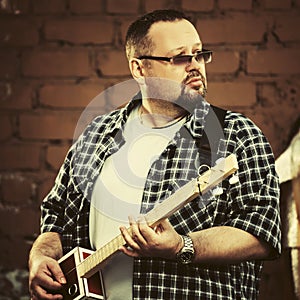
x=163 y=210
x=92 y=263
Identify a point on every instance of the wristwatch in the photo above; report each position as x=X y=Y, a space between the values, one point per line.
x=186 y=254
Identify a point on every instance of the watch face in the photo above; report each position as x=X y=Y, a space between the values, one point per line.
x=186 y=256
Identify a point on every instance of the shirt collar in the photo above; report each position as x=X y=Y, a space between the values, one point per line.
x=195 y=120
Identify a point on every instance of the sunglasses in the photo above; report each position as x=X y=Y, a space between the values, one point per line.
x=204 y=56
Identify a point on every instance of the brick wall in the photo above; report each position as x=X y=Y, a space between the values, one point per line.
x=57 y=55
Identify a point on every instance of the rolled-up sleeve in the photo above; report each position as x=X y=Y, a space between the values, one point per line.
x=54 y=204
x=254 y=201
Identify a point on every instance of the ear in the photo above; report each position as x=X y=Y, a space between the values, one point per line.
x=136 y=68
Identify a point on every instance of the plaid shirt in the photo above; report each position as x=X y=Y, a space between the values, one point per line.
x=250 y=205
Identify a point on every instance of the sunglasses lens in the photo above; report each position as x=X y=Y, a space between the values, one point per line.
x=206 y=57
x=201 y=57
x=182 y=59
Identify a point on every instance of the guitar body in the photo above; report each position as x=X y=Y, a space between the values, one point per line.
x=78 y=288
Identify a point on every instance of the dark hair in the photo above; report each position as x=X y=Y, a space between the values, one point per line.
x=137 y=42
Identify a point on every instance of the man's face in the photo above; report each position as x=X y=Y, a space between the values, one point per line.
x=170 y=80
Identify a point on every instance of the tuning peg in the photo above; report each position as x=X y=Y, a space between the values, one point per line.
x=217 y=191
x=219 y=160
x=234 y=179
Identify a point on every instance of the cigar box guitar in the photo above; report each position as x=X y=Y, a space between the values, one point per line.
x=82 y=267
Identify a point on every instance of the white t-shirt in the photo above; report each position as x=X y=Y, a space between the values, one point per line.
x=118 y=194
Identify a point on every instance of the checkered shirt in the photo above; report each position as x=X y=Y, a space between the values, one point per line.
x=250 y=205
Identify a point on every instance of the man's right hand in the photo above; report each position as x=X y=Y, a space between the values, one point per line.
x=45 y=278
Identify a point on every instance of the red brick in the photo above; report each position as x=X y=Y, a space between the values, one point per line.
x=113 y=63
x=19 y=156
x=45 y=185
x=278 y=4
x=262 y=119
x=151 y=5
x=70 y=96
x=191 y=5
x=125 y=23
x=285 y=28
x=81 y=31
x=122 y=7
x=87 y=6
x=15 y=253
x=279 y=61
x=9 y=64
x=6 y=127
x=56 y=63
x=56 y=155
x=235 y=4
x=48 y=7
x=269 y=94
x=19 y=32
x=16 y=95
x=17 y=190
x=44 y=126
x=277 y=112
x=238 y=29
x=224 y=62
x=121 y=92
x=286 y=94
x=27 y=222
x=232 y=94
x=289 y=91
x=16 y=7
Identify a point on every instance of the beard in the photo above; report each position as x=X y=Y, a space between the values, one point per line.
x=202 y=90
x=177 y=93
x=191 y=97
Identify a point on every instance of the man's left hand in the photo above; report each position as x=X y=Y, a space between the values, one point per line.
x=161 y=241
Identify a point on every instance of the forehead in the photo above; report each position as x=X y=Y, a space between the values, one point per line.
x=168 y=36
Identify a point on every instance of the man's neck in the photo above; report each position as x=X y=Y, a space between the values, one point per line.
x=160 y=113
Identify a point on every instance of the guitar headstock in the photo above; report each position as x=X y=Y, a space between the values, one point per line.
x=214 y=175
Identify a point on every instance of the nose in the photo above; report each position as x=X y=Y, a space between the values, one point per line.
x=197 y=68
x=195 y=65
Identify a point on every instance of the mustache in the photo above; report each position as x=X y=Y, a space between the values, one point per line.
x=194 y=73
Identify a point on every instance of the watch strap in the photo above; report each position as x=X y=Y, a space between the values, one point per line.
x=186 y=254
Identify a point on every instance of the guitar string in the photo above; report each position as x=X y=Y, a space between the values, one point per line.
x=90 y=257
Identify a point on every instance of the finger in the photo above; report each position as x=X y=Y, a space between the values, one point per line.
x=136 y=232
x=44 y=292
x=128 y=251
x=158 y=229
x=128 y=239
x=57 y=273
x=146 y=231
x=165 y=225
x=45 y=282
x=41 y=293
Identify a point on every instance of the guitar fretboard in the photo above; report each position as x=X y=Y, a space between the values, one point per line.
x=93 y=262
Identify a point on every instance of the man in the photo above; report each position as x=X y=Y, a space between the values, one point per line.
x=210 y=249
